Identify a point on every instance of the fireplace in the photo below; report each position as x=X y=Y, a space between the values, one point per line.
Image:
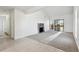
x=41 y=27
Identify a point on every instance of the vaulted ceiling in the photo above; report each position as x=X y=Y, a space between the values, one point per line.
x=50 y=10
x=58 y=10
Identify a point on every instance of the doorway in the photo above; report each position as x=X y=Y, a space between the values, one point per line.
x=4 y=25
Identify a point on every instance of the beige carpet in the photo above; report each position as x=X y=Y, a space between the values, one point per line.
x=64 y=41
x=43 y=42
x=25 y=45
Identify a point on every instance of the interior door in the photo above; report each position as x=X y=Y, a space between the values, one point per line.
x=1 y=25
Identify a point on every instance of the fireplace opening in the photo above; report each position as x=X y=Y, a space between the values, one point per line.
x=41 y=27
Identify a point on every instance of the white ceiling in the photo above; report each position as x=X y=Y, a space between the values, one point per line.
x=57 y=10
x=50 y=10
x=23 y=8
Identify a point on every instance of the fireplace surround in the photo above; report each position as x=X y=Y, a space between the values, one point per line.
x=41 y=27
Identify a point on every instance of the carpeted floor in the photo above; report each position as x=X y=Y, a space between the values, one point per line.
x=25 y=45
x=50 y=41
x=61 y=40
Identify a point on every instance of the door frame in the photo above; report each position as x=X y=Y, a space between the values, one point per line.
x=59 y=20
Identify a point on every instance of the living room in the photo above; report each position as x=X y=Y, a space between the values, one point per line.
x=35 y=22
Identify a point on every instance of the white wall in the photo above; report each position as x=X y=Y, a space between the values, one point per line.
x=77 y=25
x=12 y=25
x=75 y=22
x=27 y=24
x=68 y=21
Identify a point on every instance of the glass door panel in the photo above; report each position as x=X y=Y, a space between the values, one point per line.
x=59 y=25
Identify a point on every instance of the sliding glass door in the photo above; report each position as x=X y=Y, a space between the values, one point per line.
x=57 y=24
